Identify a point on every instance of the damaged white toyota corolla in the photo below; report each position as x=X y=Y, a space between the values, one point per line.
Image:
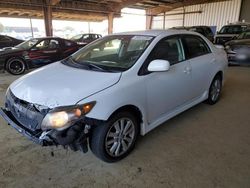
x=114 y=89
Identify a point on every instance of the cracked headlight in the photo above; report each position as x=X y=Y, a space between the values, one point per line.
x=63 y=117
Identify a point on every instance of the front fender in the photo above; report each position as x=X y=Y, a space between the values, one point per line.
x=117 y=96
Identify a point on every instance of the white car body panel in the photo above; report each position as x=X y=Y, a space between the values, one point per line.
x=186 y=84
x=60 y=85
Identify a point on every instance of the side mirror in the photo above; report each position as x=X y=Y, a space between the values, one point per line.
x=158 y=65
x=34 y=49
x=219 y=46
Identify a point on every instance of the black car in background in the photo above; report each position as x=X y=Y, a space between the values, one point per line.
x=228 y=32
x=7 y=41
x=84 y=39
x=34 y=53
x=204 y=30
x=238 y=50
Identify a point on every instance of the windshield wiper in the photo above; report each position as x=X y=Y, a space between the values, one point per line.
x=88 y=65
x=95 y=66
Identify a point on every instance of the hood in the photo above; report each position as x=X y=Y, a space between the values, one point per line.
x=243 y=42
x=60 y=85
x=10 y=50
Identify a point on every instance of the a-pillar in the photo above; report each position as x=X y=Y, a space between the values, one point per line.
x=47 y=12
x=110 y=22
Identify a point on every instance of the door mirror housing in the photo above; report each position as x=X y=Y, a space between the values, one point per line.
x=34 y=49
x=158 y=65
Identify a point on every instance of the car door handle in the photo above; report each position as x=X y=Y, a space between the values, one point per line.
x=187 y=70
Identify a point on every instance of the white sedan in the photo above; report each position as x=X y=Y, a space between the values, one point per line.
x=114 y=89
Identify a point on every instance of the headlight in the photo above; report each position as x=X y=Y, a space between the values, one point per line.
x=227 y=47
x=63 y=117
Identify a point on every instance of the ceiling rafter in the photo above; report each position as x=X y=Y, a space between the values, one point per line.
x=91 y=10
x=181 y=3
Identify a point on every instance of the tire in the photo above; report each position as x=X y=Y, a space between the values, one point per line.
x=15 y=66
x=215 y=90
x=115 y=139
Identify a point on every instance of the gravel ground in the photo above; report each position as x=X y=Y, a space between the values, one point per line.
x=206 y=146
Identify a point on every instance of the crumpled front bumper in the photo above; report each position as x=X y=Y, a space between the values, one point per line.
x=33 y=136
x=74 y=137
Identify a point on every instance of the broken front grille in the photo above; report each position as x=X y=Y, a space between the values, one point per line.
x=24 y=112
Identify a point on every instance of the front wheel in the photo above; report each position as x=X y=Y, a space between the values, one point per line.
x=115 y=139
x=15 y=66
x=215 y=90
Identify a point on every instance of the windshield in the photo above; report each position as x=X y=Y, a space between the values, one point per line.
x=115 y=53
x=233 y=29
x=27 y=44
x=245 y=35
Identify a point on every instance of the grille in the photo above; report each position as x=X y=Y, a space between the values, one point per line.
x=24 y=112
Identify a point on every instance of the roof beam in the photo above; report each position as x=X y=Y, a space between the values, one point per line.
x=161 y=9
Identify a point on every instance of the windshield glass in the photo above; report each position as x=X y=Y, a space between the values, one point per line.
x=245 y=35
x=117 y=53
x=27 y=44
x=233 y=29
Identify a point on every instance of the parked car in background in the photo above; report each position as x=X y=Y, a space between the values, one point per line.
x=238 y=50
x=7 y=41
x=84 y=39
x=228 y=32
x=114 y=89
x=34 y=53
x=204 y=30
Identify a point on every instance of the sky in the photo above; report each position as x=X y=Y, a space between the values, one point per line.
x=121 y=24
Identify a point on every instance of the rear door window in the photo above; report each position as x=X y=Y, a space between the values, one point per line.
x=195 y=46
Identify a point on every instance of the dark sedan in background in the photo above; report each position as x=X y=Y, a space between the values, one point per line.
x=7 y=41
x=34 y=53
x=206 y=31
x=238 y=50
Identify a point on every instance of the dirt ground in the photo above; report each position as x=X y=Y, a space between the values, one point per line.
x=206 y=146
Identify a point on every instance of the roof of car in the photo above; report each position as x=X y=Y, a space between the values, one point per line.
x=156 y=32
x=47 y=38
x=238 y=24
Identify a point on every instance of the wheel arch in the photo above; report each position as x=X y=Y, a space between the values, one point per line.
x=220 y=74
x=132 y=109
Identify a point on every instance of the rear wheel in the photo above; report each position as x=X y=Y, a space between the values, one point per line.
x=215 y=90
x=15 y=66
x=115 y=139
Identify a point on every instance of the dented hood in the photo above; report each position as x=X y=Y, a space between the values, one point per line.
x=60 y=85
